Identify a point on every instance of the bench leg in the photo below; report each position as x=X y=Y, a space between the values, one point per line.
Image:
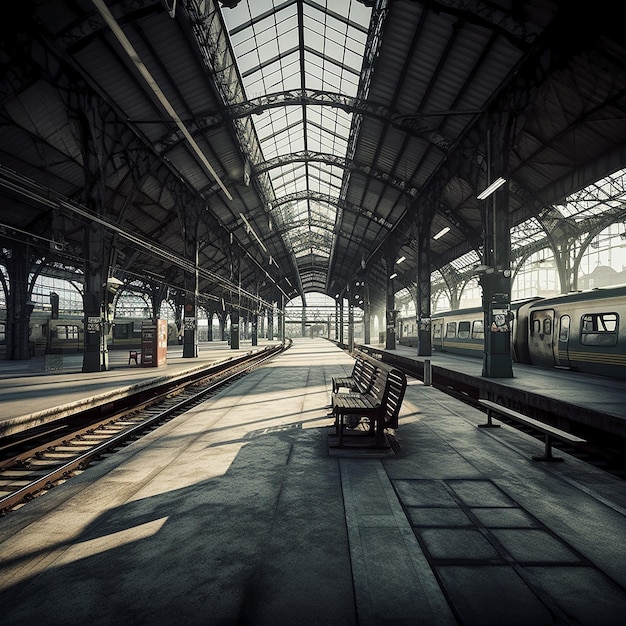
x=489 y=423
x=339 y=429
x=548 y=452
x=379 y=437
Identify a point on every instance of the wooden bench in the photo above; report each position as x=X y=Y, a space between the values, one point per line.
x=549 y=432
x=361 y=378
x=380 y=404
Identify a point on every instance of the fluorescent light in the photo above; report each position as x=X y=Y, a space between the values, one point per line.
x=251 y=230
x=402 y=258
x=394 y=275
x=496 y=184
x=442 y=232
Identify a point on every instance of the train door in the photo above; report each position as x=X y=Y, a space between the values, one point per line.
x=541 y=339
x=561 y=355
x=437 y=333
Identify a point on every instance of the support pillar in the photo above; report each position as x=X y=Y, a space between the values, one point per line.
x=281 y=320
x=390 y=314
x=270 y=325
x=424 y=337
x=367 y=315
x=97 y=302
x=350 y=326
x=497 y=362
x=190 y=329
x=19 y=304
x=341 y=320
x=496 y=279
x=234 y=329
x=254 y=329
x=210 y=325
x=190 y=222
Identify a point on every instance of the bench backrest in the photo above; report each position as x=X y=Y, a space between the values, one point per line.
x=357 y=367
x=395 y=389
x=366 y=375
x=377 y=384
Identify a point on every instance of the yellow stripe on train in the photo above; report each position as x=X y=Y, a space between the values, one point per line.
x=463 y=346
x=593 y=357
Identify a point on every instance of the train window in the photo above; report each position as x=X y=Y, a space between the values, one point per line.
x=67 y=331
x=599 y=329
x=547 y=326
x=564 y=334
x=122 y=330
x=437 y=331
x=450 y=330
x=536 y=326
x=464 y=330
x=3 y=336
x=478 y=329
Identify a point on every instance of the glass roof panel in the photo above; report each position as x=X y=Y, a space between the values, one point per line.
x=469 y=259
x=273 y=40
x=596 y=199
x=527 y=232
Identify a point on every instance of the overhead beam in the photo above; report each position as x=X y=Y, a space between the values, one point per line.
x=308 y=156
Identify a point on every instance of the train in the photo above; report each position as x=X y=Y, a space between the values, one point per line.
x=66 y=335
x=579 y=331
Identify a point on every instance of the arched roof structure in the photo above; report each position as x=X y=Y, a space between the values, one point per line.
x=281 y=147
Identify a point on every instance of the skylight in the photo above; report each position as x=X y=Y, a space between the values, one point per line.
x=315 y=46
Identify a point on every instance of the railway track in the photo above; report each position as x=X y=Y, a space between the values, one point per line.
x=35 y=462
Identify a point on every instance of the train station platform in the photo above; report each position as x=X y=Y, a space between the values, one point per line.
x=33 y=392
x=238 y=512
x=581 y=391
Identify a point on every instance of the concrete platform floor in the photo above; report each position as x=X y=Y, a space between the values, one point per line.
x=31 y=395
x=238 y=513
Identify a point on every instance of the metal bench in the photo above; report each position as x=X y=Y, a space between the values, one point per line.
x=133 y=355
x=549 y=432
x=380 y=404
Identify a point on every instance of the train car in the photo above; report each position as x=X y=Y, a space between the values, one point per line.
x=126 y=333
x=59 y=336
x=461 y=332
x=581 y=331
x=65 y=335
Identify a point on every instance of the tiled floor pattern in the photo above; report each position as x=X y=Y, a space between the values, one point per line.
x=488 y=554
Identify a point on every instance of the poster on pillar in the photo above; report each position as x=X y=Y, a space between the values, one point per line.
x=499 y=320
x=391 y=322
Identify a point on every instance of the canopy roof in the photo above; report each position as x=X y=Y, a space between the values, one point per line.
x=297 y=146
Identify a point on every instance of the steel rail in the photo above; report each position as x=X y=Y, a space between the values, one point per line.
x=83 y=460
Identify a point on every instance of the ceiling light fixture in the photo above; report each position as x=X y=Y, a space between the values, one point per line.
x=496 y=184
x=402 y=258
x=442 y=232
x=251 y=230
x=394 y=275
